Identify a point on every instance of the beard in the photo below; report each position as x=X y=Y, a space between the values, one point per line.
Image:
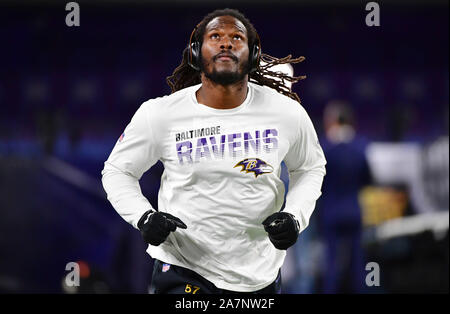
x=224 y=77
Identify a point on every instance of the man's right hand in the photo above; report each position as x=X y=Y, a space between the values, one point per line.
x=156 y=226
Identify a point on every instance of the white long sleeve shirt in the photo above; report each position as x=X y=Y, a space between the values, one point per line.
x=221 y=178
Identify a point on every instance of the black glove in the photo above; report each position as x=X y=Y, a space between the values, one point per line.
x=283 y=229
x=156 y=226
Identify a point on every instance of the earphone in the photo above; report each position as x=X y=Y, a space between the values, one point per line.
x=195 y=46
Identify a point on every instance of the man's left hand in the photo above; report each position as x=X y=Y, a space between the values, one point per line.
x=283 y=229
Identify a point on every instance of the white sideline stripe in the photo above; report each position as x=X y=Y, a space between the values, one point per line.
x=74 y=176
x=436 y=222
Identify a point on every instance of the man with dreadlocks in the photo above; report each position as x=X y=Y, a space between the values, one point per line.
x=221 y=135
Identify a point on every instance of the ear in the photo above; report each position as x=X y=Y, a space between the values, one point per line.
x=194 y=50
x=255 y=55
x=194 y=55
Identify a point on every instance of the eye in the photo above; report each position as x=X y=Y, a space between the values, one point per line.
x=214 y=36
x=237 y=37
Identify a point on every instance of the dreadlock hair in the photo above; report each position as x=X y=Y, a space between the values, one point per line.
x=184 y=75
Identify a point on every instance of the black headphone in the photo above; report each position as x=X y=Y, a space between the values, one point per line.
x=194 y=53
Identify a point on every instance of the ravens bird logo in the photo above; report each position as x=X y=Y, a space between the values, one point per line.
x=255 y=165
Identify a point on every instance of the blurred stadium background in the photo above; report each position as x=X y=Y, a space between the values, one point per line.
x=66 y=94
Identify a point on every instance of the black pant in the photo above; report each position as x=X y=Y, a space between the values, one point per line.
x=171 y=279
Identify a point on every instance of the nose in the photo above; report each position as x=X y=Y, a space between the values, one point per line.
x=226 y=44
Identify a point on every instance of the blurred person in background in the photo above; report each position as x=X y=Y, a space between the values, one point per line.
x=435 y=167
x=222 y=135
x=340 y=214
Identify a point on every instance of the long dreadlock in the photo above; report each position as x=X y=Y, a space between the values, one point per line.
x=184 y=75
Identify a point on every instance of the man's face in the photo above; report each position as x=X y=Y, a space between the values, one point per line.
x=225 y=53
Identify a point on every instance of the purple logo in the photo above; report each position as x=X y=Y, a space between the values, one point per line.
x=255 y=165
